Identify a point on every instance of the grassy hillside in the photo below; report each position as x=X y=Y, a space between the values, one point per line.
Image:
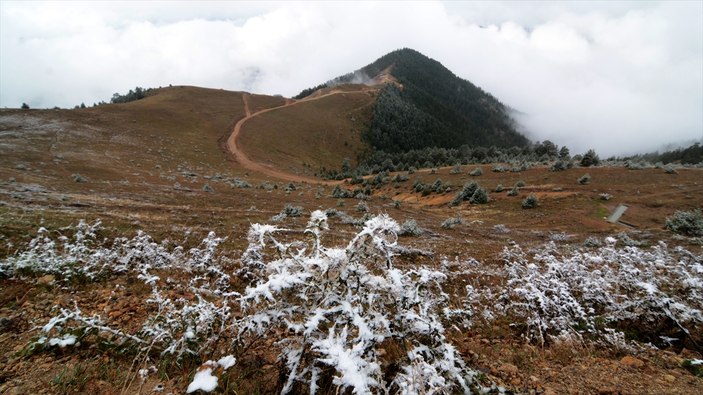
x=308 y=135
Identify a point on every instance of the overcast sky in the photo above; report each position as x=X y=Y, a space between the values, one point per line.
x=620 y=77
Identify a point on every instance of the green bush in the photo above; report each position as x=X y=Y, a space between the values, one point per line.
x=689 y=223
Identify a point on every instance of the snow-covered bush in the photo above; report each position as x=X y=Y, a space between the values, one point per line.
x=451 y=222
x=175 y=326
x=654 y=295
x=689 y=223
x=72 y=257
x=340 y=308
x=410 y=228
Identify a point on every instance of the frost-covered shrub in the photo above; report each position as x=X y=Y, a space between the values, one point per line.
x=362 y=207
x=689 y=223
x=451 y=222
x=78 y=178
x=267 y=186
x=514 y=191
x=70 y=258
x=336 y=308
x=592 y=241
x=174 y=327
x=560 y=236
x=456 y=169
x=605 y=196
x=239 y=183
x=410 y=228
x=480 y=196
x=500 y=228
x=653 y=295
x=670 y=170
x=208 y=188
x=288 y=211
x=400 y=177
x=584 y=179
x=530 y=201
x=341 y=193
x=558 y=166
x=499 y=188
x=476 y=172
x=520 y=184
x=465 y=194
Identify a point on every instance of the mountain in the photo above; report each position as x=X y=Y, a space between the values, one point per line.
x=423 y=104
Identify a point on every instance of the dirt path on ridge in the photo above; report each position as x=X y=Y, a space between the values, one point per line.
x=243 y=159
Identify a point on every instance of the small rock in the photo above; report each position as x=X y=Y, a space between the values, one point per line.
x=46 y=280
x=669 y=378
x=632 y=362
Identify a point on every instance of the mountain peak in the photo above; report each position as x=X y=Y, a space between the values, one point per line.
x=423 y=104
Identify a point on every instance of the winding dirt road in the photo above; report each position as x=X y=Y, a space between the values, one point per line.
x=243 y=159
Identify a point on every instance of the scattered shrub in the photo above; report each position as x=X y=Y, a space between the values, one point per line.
x=605 y=196
x=456 y=169
x=410 y=228
x=207 y=188
x=514 y=191
x=584 y=179
x=465 y=194
x=688 y=223
x=499 y=188
x=450 y=223
x=500 y=228
x=288 y=211
x=341 y=193
x=480 y=196
x=78 y=178
x=520 y=184
x=476 y=172
x=530 y=201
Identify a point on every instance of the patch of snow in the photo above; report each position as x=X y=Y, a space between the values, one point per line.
x=227 y=362
x=203 y=380
x=66 y=340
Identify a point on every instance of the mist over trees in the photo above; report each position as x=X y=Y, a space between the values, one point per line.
x=690 y=155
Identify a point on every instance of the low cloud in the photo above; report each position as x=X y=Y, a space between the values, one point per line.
x=617 y=77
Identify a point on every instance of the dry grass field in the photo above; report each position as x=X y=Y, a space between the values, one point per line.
x=160 y=165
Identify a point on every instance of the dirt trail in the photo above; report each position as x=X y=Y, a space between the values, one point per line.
x=243 y=159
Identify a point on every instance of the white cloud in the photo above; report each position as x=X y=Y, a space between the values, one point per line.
x=616 y=76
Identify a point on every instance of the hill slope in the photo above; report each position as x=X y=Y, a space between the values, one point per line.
x=423 y=104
